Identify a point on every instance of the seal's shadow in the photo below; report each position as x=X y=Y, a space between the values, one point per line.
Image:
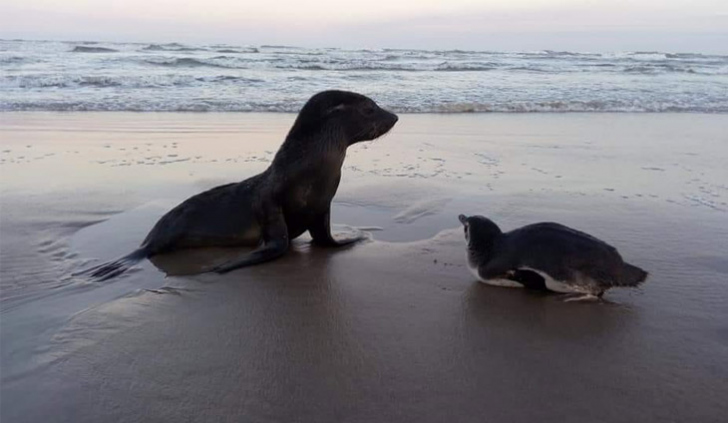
x=196 y=261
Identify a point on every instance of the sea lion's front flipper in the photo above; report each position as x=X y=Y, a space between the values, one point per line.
x=275 y=244
x=320 y=231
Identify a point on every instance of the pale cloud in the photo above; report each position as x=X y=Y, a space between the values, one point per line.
x=697 y=25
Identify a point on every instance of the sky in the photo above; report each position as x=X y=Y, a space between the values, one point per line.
x=504 y=25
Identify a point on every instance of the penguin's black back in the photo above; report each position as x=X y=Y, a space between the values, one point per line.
x=561 y=252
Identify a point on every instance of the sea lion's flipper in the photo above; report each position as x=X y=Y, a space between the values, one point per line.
x=275 y=244
x=320 y=231
x=114 y=268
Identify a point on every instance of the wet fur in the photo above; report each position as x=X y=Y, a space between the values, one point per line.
x=268 y=210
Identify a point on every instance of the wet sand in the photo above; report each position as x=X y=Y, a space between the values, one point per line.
x=393 y=329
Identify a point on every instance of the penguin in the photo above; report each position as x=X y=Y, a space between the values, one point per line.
x=546 y=256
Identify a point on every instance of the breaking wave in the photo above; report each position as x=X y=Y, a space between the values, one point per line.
x=86 y=49
x=189 y=62
x=169 y=105
x=129 y=82
x=172 y=47
x=46 y=75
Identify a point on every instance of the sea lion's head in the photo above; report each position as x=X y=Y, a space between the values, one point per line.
x=343 y=115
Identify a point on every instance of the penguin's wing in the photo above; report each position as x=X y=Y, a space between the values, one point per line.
x=560 y=252
x=497 y=268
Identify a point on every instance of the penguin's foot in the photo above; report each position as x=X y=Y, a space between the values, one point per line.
x=571 y=298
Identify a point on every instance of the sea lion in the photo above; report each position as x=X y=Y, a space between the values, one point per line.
x=546 y=255
x=268 y=210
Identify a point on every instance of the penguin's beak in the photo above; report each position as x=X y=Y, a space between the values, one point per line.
x=463 y=219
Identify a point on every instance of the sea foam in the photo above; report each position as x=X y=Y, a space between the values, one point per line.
x=96 y=76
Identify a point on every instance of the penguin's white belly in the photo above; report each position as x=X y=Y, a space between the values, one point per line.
x=495 y=282
x=552 y=284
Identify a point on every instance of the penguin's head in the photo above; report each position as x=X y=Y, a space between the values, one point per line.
x=479 y=230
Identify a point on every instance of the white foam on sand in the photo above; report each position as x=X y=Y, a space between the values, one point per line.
x=421 y=209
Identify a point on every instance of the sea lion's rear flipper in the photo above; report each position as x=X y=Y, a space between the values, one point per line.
x=320 y=231
x=276 y=242
x=114 y=268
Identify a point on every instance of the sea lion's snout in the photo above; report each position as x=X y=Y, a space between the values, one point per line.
x=390 y=117
x=387 y=120
x=382 y=123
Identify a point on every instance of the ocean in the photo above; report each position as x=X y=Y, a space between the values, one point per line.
x=104 y=76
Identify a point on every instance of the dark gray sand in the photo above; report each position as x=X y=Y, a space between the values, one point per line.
x=394 y=329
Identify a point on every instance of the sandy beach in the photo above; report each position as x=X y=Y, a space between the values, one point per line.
x=394 y=329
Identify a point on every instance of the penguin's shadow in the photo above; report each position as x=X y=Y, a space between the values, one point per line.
x=498 y=309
